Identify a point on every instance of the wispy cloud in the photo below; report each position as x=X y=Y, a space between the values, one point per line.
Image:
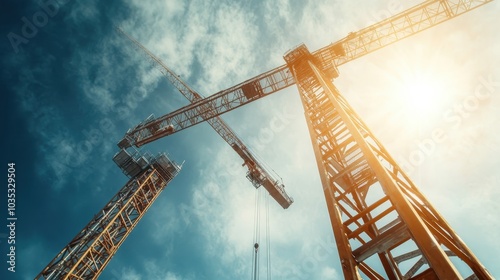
x=153 y=272
x=216 y=37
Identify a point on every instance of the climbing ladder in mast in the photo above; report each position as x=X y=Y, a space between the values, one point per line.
x=376 y=211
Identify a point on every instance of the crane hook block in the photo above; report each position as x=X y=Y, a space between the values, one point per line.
x=256 y=246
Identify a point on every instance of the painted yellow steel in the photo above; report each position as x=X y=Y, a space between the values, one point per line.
x=89 y=252
x=384 y=227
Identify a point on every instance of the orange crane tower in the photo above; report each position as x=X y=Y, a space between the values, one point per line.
x=383 y=225
x=381 y=222
x=256 y=173
x=86 y=256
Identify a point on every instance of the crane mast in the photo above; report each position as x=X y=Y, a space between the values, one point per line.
x=383 y=225
x=256 y=173
x=86 y=256
x=353 y=46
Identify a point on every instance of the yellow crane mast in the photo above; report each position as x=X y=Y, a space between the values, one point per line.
x=86 y=256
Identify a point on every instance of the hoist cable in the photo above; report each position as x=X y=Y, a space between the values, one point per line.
x=256 y=237
x=268 y=239
x=259 y=196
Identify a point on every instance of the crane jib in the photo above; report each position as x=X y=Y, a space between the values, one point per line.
x=353 y=46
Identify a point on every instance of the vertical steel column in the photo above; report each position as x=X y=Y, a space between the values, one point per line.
x=86 y=256
x=384 y=227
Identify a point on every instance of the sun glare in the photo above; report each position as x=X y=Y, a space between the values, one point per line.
x=421 y=95
x=422 y=82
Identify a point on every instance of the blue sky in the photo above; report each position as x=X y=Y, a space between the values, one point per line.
x=74 y=87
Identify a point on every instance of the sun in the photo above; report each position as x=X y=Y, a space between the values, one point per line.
x=421 y=93
x=421 y=83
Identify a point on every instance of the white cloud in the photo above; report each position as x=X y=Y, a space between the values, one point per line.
x=101 y=97
x=329 y=272
x=81 y=12
x=166 y=222
x=130 y=274
x=153 y=272
x=220 y=36
x=227 y=53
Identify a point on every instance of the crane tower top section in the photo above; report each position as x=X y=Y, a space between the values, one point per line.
x=133 y=163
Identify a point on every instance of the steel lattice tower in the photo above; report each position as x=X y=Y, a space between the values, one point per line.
x=86 y=256
x=377 y=213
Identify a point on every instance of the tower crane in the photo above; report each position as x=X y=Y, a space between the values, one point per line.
x=256 y=173
x=393 y=233
x=397 y=227
x=88 y=253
